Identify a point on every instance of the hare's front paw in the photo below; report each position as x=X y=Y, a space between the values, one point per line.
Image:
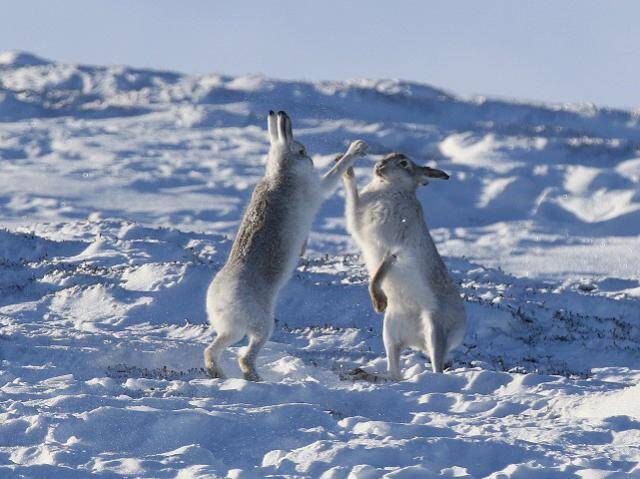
x=349 y=174
x=379 y=303
x=357 y=148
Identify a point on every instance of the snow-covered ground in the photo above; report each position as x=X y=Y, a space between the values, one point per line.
x=120 y=191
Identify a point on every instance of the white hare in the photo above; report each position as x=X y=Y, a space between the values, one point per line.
x=272 y=235
x=409 y=280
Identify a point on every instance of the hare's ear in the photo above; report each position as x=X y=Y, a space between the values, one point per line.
x=288 y=128
x=426 y=172
x=285 y=130
x=273 y=127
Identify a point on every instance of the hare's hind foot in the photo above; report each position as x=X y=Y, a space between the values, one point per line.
x=247 y=362
x=249 y=369
x=214 y=373
x=211 y=366
x=213 y=353
x=252 y=376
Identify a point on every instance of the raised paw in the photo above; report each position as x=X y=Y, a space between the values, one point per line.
x=380 y=304
x=349 y=173
x=378 y=299
x=357 y=148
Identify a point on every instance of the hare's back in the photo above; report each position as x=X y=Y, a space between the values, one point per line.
x=267 y=239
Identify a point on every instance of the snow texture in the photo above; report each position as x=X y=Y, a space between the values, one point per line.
x=121 y=190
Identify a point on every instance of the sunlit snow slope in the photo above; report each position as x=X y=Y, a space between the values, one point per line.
x=120 y=192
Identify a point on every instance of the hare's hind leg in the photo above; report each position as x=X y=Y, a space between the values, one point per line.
x=213 y=352
x=436 y=342
x=393 y=360
x=257 y=339
x=393 y=347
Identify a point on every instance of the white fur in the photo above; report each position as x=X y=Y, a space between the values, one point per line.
x=241 y=298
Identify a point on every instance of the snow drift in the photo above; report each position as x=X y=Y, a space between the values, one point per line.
x=121 y=190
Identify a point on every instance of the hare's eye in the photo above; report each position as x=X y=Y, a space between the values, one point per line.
x=404 y=163
x=301 y=151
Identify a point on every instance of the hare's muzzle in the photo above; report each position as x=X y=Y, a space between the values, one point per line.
x=379 y=168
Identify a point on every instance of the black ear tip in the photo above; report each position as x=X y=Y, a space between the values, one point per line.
x=282 y=112
x=446 y=177
x=271 y=113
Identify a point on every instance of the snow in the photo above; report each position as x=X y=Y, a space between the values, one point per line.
x=121 y=191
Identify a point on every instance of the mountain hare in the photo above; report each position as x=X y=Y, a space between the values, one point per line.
x=409 y=281
x=242 y=296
